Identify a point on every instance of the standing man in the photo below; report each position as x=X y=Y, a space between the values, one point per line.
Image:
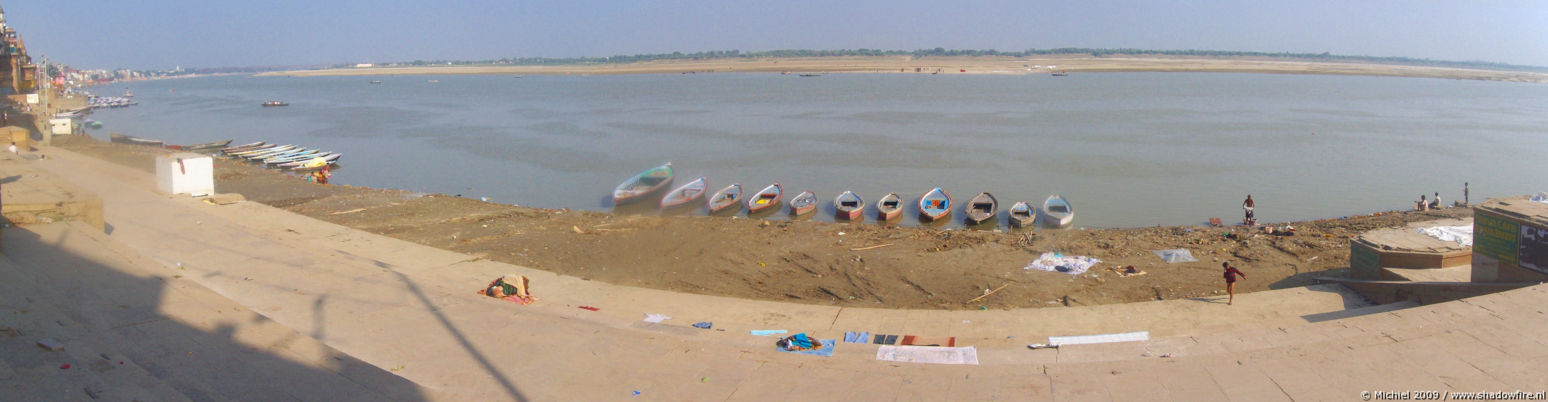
x=1230 y=277
x=1247 y=206
x=1465 y=200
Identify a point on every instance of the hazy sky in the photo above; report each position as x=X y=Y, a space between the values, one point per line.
x=216 y=33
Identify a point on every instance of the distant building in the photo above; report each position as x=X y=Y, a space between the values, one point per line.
x=17 y=73
x=365 y=65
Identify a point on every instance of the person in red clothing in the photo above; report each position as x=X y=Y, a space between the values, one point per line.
x=1230 y=277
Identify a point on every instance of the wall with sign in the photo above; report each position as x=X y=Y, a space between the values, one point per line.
x=1508 y=248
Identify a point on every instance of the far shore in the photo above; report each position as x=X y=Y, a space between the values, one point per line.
x=954 y=65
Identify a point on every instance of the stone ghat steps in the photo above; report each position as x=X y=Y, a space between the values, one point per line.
x=132 y=332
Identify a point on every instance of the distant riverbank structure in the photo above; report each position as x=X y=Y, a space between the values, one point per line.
x=17 y=73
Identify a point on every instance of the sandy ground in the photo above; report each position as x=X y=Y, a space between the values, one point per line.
x=962 y=65
x=849 y=264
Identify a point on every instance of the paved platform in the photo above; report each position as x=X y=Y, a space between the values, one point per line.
x=409 y=309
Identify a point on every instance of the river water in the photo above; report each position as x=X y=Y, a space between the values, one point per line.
x=1128 y=149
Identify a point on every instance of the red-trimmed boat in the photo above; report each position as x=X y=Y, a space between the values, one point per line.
x=803 y=203
x=768 y=197
x=693 y=191
x=848 y=206
x=935 y=205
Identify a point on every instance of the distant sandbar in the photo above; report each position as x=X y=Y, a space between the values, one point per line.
x=956 y=65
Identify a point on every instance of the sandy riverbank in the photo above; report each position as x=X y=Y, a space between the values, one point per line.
x=850 y=264
x=959 y=65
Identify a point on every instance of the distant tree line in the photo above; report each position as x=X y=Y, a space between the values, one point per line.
x=943 y=52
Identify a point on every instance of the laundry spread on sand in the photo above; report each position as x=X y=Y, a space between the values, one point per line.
x=1463 y=235
x=767 y=332
x=1103 y=338
x=927 y=354
x=881 y=339
x=1056 y=262
x=800 y=343
x=857 y=337
x=1175 y=255
x=703 y=325
x=929 y=340
x=512 y=288
x=656 y=318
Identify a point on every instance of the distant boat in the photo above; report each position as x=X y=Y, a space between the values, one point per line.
x=803 y=203
x=206 y=147
x=642 y=184
x=433 y=81
x=128 y=94
x=376 y=81
x=690 y=192
x=275 y=103
x=889 y=207
x=1057 y=212
x=765 y=198
x=811 y=75
x=1022 y=215
x=726 y=198
x=1061 y=74
x=981 y=208
x=935 y=205
x=242 y=147
x=848 y=206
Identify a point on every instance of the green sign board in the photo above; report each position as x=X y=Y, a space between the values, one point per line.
x=1496 y=237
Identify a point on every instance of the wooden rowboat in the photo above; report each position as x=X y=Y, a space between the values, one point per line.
x=1022 y=215
x=803 y=203
x=124 y=139
x=648 y=181
x=726 y=198
x=935 y=205
x=848 y=206
x=234 y=148
x=1057 y=212
x=981 y=208
x=685 y=194
x=889 y=207
x=205 y=147
x=765 y=198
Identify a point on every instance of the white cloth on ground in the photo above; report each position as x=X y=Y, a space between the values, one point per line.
x=1463 y=235
x=656 y=318
x=1103 y=338
x=1175 y=255
x=928 y=354
x=1073 y=265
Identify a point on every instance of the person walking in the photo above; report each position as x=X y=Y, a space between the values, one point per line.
x=1247 y=207
x=1230 y=278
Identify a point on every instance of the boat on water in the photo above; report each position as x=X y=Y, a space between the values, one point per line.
x=205 y=147
x=848 y=206
x=376 y=81
x=1061 y=74
x=935 y=205
x=1057 y=212
x=889 y=207
x=728 y=197
x=765 y=198
x=128 y=94
x=648 y=181
x=981 y=208
x=275 y=104
x=260 y=149
x=811 y=75
x=1022 y=215
x=803 y=203
x=131 y=140
x=330 y=162
x=685 y=194
x=246 y=146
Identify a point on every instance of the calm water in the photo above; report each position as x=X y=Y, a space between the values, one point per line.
x=1128 y=149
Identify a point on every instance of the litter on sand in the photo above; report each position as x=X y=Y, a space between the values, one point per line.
x=1056 y=262
x=1128 y=271
x=926 y=354
x=1463 y=235
x=656 y=318
x=767 y=332
x=1103 y=338
x=703 y=325
x=1175 y=255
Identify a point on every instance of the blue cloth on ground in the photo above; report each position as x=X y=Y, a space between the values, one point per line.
x=703 y=325
x=767 y=332
x=857 y=337
x=827 y=349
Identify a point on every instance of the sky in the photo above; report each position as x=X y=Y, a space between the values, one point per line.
x=153 y=34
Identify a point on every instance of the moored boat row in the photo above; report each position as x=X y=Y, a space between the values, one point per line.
x=284 y=157
x=934 y=205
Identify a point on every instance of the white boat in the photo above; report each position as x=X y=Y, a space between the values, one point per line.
x=1056 y=212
